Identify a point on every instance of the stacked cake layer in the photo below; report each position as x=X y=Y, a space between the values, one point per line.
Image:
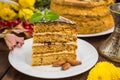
x=91 y=16
x=54 y=41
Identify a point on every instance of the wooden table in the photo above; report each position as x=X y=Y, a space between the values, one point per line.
x=7 y=72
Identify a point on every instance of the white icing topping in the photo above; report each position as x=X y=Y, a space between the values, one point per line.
x=53 y=33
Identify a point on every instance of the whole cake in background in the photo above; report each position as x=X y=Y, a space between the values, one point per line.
x=53 y=41
x=91 y=16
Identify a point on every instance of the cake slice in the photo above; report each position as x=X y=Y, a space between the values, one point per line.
x=53 y=41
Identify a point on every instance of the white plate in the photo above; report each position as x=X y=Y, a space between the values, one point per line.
x=97 y=34
x=20 y=59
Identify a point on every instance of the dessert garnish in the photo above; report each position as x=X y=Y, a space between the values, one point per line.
x=45 y=16
x=65 y=65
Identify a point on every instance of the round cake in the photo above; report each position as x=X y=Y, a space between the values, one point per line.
x=91 y=16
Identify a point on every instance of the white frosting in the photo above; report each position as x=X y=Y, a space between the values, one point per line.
x=39 y=44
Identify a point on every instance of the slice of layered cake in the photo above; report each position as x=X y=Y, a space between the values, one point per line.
x=53 y=41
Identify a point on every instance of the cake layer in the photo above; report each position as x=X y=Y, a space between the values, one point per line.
x=43 y=48
x=53 y=37
x=83 y=3
x=88 y=25
x=81 y=11
x=49 y=59
x=55 y=26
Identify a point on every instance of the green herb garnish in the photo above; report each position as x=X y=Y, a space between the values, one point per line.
x=47 y=16
x=50 y=16
x=36 y=17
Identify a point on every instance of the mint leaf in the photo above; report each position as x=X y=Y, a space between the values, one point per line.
x=51 y=16
x=36 y=17
x=46 y=16
x=46 y=11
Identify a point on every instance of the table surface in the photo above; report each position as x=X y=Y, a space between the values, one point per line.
x=7 y=72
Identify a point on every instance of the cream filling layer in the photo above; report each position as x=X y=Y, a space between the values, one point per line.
x=46 y=54
x=58 y=33
x=41 y=44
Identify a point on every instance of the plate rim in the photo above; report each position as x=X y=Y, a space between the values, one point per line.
x=97 y=34
x=96 y=52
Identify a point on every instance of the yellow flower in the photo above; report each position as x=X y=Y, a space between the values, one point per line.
x=98 y=74
x=116 y=74
x=15 y=7
x=32 y=8
x=4 y=5
x=7 y=5
x=104 y=71
x=1 y=5
x=27 y=3
x=25 y=13
x=7 y=14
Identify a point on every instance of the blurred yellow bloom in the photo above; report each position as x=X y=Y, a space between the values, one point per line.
x=4 y=5
x=25 y=13
x=27 y=3
x=98 y=74
x=1 y=5
x=15 y=7
x=12 y=11
x=32 y=8
x=7 y=14
x=104 y=71
x=116 y=74
x=7 y=5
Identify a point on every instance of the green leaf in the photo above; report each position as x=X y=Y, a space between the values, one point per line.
x=36 y=17
x=46 y=11
x=47 y=16
x=51 y=16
